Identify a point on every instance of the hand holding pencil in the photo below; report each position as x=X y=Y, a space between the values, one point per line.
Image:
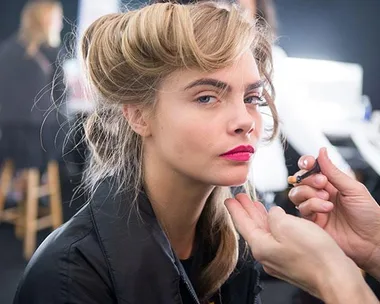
x=341 y=206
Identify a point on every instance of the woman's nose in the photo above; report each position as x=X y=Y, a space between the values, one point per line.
x=242 y=121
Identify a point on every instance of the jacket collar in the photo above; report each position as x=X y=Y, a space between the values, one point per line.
x=136 y=249
x=142 y=265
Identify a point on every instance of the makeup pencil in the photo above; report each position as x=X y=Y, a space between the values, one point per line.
x=299 y=178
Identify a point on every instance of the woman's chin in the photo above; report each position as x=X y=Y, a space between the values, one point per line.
x=232 y=181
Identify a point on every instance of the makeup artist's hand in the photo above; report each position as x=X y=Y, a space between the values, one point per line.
x=299 y=252
x=343 y=207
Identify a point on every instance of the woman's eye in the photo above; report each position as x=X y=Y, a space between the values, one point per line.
x=207 y=99
x=256 y=100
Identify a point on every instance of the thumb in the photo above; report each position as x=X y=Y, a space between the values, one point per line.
x=336 y=177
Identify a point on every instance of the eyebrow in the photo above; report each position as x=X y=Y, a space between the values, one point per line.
x=222 y=85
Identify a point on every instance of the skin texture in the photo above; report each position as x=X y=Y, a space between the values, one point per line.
x=184 y=138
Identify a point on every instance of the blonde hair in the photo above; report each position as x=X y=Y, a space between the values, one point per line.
x=126 y=56
x=34 y=30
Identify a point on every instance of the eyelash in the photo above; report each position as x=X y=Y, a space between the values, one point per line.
x=260 y=100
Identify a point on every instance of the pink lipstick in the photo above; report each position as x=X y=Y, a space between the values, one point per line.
x=240 y=153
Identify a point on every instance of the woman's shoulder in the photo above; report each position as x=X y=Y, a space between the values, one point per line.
x=71 y=234
x=69 y=262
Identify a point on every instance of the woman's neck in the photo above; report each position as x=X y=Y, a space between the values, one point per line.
x=178 y=203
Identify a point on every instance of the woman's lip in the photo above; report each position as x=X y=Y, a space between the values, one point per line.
x=240 y=149
x=239 y=156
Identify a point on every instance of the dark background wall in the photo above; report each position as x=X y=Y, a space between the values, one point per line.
x=342 y=30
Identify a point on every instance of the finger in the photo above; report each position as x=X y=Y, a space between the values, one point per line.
x=311 y=207
x=302 y=193
x=255 y=210
x=318 y=180
x=243 y=221
x=336 y=177
x=331 y=190
x=259 y=240
x=306 y=162
x=261 y=208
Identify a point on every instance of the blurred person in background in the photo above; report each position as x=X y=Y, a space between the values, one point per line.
x=30 y=82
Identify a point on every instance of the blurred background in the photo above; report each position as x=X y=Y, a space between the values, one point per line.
x=327 y=86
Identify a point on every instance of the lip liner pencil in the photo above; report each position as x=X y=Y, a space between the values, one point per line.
x=297 y=179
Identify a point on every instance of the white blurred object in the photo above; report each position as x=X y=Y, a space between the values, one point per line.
x=77 y=102
x=331 y=91
x=331 y=95
x=268 y=172
x=309 y=100
x=90 y=10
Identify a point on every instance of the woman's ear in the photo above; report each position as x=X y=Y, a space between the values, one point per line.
x=137 y=119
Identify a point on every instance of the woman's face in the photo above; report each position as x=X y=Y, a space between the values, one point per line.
x=201 y=118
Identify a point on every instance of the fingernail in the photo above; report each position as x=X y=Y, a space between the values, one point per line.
x=304 y=162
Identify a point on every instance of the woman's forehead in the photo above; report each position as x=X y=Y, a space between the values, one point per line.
x=243 y=70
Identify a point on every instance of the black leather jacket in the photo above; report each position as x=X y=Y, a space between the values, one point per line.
x=106 y=254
